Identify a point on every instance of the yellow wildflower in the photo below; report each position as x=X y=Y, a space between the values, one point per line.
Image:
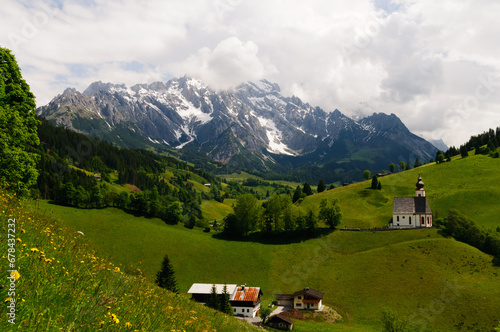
x=34 y=249
x=127 y=324
x=15 y=274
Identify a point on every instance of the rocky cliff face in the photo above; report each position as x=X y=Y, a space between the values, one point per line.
x=253 y=120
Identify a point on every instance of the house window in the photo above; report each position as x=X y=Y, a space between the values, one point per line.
x=248 y=310
x=299 y=305
x=423 y=220
x=234 y=309
x=398 y=218
x=410 y=220
x=300 y=297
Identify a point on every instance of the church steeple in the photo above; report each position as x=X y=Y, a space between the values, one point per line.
x=420 y=191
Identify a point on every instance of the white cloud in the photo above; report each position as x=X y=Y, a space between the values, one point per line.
x=230 y=63
x=422 y=60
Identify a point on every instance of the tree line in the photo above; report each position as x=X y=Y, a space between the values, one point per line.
x=278 y=214
x=460 y=227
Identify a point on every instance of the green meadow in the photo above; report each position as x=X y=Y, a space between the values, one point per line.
x=435 y=283
x=360 y=272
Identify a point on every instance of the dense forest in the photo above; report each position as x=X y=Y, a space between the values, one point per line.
x=77 y=170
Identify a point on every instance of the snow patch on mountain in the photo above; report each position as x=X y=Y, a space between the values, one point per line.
x=275 y=136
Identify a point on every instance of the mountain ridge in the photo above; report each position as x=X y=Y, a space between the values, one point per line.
x=254 y=120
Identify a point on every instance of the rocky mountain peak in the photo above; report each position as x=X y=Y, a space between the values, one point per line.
x=254 y=120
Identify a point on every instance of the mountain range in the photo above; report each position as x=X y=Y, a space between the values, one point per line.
x=251 y=127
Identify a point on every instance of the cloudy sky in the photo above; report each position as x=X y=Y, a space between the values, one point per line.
x=435 y=64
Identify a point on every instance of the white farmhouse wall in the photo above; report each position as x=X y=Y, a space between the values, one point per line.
x=246 y=311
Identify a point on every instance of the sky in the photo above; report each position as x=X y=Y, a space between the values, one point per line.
x=435 y=64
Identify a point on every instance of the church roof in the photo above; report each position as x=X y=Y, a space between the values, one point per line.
x=410 y=205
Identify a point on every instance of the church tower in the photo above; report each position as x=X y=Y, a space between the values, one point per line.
x=420 y=191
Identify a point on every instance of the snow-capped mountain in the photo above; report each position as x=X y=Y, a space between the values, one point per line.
x=252 y=123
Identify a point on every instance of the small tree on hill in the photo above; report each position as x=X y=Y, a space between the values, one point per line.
x=331 y=214
x=311 y=220
x=401 y=165
x=165 y=278
x=408 y=166
x=367 y=174
x=225 y=305
x=213 y=299
x=392 y=168
x=307 y=189
x=374 y=182
x=417 y=163
x=463 y=151
x=321 y=186
x=379 y=186
x=297 y=194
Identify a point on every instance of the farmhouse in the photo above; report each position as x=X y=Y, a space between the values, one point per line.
x=412 y=212
x=244 y=300
x=307 y=298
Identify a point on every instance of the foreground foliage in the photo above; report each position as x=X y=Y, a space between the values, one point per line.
x=18 y=126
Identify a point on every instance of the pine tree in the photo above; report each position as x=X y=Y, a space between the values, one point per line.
x=321 y=186
x=374 y=182
x=165 y=278
x=379 y=186
x=297 y=194
x=307 y=189
x=213 y=300
x=225 y=305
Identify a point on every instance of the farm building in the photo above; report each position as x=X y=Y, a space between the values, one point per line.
x=412 y=212
x=307 y=298
x=280 y=322
x=244 y=300
x=201 y=292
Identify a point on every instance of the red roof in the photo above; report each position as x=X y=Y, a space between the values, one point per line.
x=247 y=294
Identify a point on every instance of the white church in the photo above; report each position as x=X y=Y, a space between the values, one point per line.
x=412 y=212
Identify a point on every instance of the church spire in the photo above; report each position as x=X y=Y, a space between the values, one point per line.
x=420 y=191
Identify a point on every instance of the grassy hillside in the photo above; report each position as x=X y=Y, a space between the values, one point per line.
x=63 y=285
x=360 y=272
x=469 y=185
x=436 y=283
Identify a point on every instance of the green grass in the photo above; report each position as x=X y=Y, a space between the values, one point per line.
x=214 y=210
x=437 y=283
x=469 y=185
x=63 y=285
x=360 y=272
